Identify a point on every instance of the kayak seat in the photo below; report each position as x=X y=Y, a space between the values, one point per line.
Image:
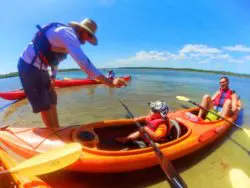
x=174 y=133
x=175 y=130
x=107 y=136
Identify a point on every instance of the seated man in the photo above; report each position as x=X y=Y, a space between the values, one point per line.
x=224 y=101
x=157 y=123
x=110 y=75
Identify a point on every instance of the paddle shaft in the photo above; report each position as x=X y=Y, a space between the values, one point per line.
x=176 y=181
x=234 y=141
x=194 y=103
x=13 y=102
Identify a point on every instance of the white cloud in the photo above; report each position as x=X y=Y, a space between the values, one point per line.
x=191 y=52
x=247 y=57
x=149 y=56
x=199 y=49
x=220 y=56
x=236 y=61
x=206 y=61
x=201 y=52
x=237 y=48
x=223 y=56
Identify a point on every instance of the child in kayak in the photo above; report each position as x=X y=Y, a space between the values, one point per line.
x=157 y=124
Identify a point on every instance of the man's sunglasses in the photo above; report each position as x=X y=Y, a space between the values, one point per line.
x=222 y=82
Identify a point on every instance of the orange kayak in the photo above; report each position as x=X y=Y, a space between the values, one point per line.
x=19 y=94
x=16 y=180
x=102 y=153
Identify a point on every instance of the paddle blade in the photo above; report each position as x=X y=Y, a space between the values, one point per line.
x=247 y=132
x=49 y=161
x=239 y=178
x=182 y=98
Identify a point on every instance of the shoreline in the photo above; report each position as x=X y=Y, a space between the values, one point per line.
x=190 y=70
x=15 y=74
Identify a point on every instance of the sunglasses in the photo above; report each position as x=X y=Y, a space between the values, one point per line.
x=222 y=82
x=90 y=36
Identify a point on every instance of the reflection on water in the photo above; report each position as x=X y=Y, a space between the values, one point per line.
x=11 y=110
x=239 y=178
x=209 y=167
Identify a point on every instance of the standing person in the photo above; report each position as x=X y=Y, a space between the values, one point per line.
x=223 y=102
x=110 y=75
x=49 y=47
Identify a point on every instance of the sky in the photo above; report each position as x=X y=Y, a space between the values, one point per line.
x=199 y=34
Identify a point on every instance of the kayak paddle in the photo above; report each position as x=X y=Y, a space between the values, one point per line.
x=9 y=104
x=47 y=162
x=173 y=177
x=182 y=98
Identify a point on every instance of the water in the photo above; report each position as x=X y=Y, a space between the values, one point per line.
x=214 y=166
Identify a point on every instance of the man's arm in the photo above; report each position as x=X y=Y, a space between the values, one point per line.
x=54 y=71
x=72 y=44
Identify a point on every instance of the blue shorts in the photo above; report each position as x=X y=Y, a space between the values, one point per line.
x=218 y=108
x=37 y=87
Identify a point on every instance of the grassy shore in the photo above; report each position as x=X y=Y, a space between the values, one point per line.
x=14 y=74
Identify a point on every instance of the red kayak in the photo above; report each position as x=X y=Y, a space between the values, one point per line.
x=13 y=95
x=19 y=94
x=79 y=82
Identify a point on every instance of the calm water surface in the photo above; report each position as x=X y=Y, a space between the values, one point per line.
x=215 y=166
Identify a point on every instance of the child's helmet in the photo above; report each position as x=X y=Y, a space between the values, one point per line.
x=159 y=106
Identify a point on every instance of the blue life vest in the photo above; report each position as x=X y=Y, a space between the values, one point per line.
x=42 y=47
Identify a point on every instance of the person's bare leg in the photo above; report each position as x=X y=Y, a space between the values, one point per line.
x=132 y=136
x=226 y=110
x=206 y=103
x=48 y=119
x=54 y=111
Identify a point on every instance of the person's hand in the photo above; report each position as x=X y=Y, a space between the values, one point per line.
x=136 y=119
x=52 y=83
x=119 y=82
x=234 y=110
x=142 y=130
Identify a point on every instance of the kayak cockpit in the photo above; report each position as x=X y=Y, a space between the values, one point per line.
x=107 y=136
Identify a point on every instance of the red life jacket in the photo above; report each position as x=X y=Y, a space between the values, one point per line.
x=222 y=97
x=153 y=122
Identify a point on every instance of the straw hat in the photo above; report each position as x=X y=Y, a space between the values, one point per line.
x=89 y=26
